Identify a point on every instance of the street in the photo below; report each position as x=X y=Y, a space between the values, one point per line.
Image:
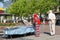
x=44 y=35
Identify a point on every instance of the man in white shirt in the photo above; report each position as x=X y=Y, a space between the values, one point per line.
x=51 y=17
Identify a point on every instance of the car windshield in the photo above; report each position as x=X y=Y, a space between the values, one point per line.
x=57 y=15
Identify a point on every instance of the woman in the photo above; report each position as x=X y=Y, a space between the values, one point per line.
x=36 y=22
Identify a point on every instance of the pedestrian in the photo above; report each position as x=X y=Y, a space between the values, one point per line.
x=52 y=21
x=36 y=22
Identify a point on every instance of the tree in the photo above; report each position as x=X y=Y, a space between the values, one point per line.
x=28 y=7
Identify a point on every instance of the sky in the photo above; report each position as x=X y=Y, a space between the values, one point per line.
x=1 y=4
x=6 y=0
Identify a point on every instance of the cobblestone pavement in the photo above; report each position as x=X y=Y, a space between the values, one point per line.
x=44 y=31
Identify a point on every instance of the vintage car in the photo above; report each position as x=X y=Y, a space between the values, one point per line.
x=57 y=18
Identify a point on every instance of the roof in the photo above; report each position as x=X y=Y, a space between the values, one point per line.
x=5 y=14
x=57 y=12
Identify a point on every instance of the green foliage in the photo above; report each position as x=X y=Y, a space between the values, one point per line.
x=28 y=7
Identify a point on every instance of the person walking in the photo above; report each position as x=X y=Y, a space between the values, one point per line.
x=36 y=22
x=52 y=21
